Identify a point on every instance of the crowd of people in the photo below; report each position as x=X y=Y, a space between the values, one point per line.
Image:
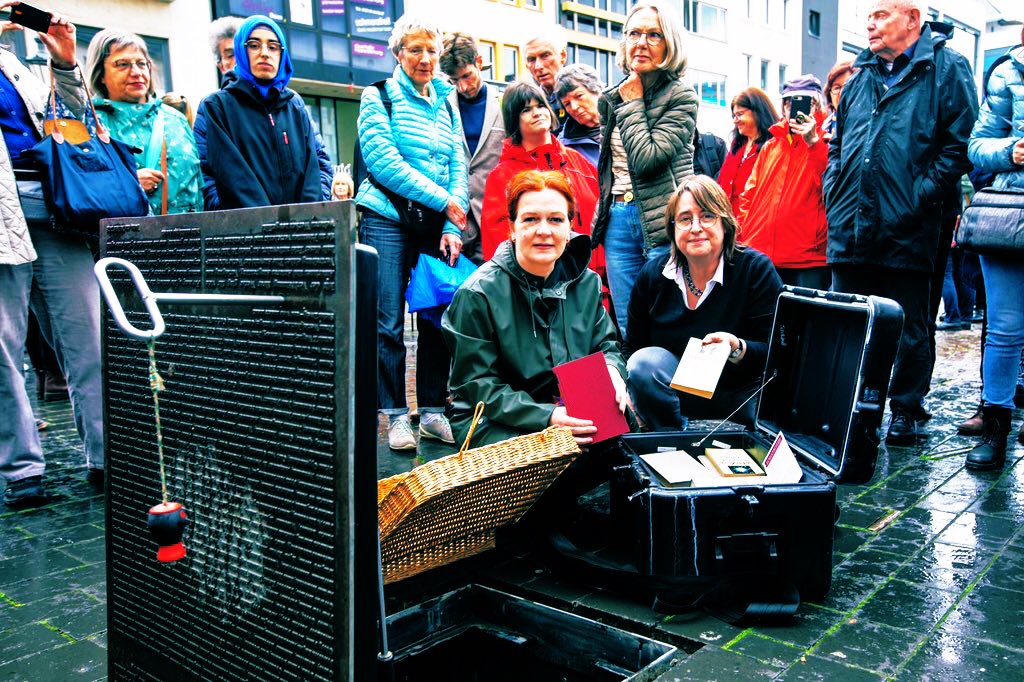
x=601 y=219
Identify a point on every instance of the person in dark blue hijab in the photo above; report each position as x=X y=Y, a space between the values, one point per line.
x=257 y=144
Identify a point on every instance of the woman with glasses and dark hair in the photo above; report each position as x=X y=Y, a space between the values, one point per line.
x=120 y=73
x=256 y=141
x=834 y=85
x=648 y=121
x=753 y=114
x=531 y=145
x=707 y=287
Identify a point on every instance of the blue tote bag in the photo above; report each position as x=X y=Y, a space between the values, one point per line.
x=86 y=178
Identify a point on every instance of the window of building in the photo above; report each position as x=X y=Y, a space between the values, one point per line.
x=814 y=23
x=750 y=62
x=710 y=87
x=764 y=74
x=528 y=4
x=158 y=50
x=488 y=52
x=710 y=21
x=782 y=76
x=785 y=14
x=509 y=63
x=585 y=24
x=964 y=40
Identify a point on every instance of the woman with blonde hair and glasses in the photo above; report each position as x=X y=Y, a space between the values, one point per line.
x=120 y=73
x=707 y=287
x=648 y=121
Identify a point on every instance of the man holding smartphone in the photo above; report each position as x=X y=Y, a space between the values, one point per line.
x=899 y=149
x=781 y=211
x=48 y=270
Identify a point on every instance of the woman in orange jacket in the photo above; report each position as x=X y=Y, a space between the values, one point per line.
x=782 y=212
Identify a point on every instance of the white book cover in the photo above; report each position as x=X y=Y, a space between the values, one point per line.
x=700 y=368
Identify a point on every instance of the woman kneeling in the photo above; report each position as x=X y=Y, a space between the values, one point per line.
x=708 y=288
x=533 y=306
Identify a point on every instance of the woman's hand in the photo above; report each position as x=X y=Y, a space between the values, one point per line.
x=621 y=393
x=632 y=88
x=451 y=247
x=805 y=127
x=725 y=337
x=580 y=427
x=456 y=214
x=150 y=179
x=1018 y=152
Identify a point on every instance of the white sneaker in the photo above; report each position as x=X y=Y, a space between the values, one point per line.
x=437 y=428
x=400 y=435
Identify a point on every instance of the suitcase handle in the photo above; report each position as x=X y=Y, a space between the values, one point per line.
x=743 y=552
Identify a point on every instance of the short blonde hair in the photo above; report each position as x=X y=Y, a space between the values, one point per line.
x=675 y=52
x=407 y=25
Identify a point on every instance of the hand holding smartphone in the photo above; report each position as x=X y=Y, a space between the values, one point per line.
x=799 y=104
x=31 y=17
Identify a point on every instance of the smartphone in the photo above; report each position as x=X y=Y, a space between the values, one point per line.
x=799 y=104
x=31 y=17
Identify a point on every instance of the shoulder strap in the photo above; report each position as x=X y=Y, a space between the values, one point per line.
x=385 y=98
x=988 y=74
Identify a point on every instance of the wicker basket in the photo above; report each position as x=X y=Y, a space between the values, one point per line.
x=449 y=509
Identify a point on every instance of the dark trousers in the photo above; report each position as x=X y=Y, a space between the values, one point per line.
x=811 y=278
x=946 y=229
x=912 y=372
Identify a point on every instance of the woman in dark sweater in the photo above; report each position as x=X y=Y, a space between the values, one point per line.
x=708 y=288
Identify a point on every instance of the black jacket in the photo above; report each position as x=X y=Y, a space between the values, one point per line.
x=708 y=154
x=744 y=305
x=256 y=152
x=896 y=153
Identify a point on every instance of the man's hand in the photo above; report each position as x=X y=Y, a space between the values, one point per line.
x=451 y=247
x=1018 y=152
x=805 y=127
x=582 y=429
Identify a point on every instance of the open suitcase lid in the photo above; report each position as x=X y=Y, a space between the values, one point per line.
x=831 y=355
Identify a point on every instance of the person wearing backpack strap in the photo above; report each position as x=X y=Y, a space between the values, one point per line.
x=413 y=152
x=997 y=145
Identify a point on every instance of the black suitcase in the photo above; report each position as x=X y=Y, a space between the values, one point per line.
x=829 y=362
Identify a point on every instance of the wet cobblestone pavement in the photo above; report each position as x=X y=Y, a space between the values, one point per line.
x=928 y=580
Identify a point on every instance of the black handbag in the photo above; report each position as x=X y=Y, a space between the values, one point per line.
x=86 y=178
x=993 y=223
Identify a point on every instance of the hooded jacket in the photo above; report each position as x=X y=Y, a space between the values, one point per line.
x=781 y=212
x=1001 y=124
x=417 y=152
x=255 y=151
x=657 y=133
x=507 y=329
x=896 y=153
x=494 y=225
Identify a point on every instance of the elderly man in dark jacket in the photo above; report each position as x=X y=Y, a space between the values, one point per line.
x=899 y=149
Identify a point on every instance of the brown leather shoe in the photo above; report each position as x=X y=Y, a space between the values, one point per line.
x=972 y=426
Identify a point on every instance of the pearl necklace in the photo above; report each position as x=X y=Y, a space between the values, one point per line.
x=690 y=284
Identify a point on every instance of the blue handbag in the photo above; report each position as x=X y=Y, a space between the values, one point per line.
x=433 y=284
x=86 y=178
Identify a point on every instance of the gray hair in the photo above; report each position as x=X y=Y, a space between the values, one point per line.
x=223 y=28
x=551 y=34
x=408 y=24
x=102 y=44
x=577 y=76
x=675 y=52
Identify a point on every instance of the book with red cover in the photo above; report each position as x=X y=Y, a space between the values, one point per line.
x=588 y=393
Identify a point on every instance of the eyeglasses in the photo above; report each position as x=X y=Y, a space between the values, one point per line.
x=420 y=51
x=127 y=64
x=256 y=46
x=653 y=37
x=705 y=220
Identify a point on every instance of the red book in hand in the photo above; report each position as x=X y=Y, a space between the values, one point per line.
x=588 y=393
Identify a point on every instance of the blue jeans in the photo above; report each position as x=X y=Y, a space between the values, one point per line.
x=1004 y=281
x=397 y=254
x=626 y=253
x=62 y=290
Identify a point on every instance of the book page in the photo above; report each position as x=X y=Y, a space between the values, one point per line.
x=700 y=368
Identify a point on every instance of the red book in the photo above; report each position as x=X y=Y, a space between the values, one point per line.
x=588 y=393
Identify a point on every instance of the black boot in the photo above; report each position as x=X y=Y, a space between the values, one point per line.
x=990 y=453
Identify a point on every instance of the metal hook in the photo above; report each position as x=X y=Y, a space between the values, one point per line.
x=150 y=299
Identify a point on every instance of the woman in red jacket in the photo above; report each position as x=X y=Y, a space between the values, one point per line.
x=752 y=114
x=782 y=213
x=530 y=145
